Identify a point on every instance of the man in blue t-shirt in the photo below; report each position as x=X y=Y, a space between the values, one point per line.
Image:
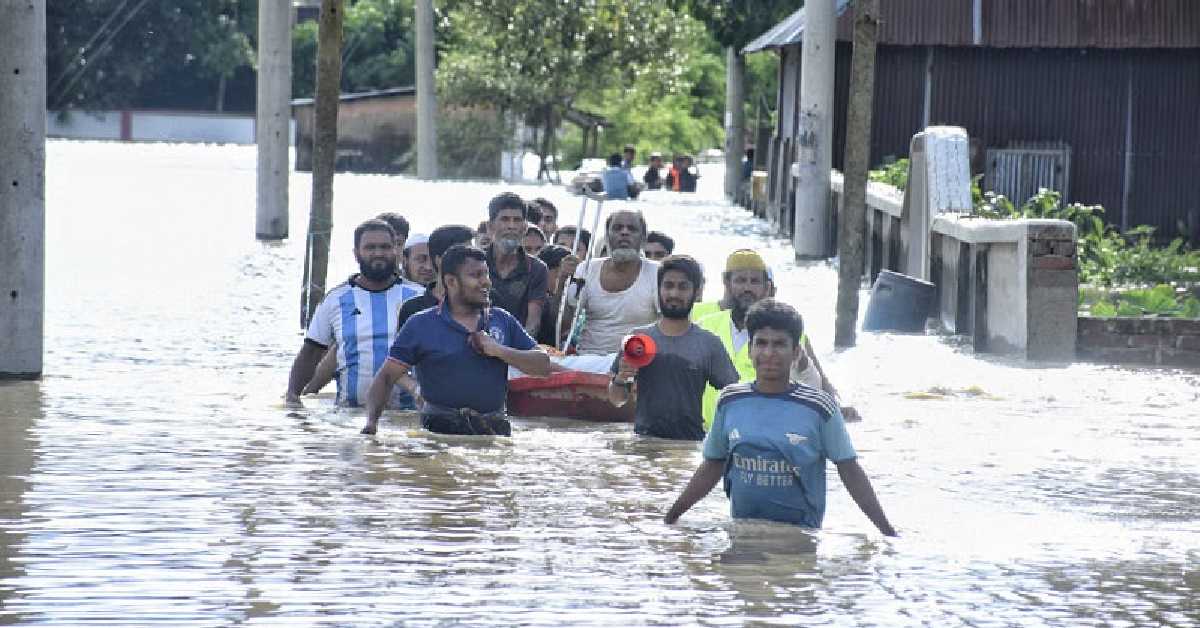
x=771 y=438
x=463 y=349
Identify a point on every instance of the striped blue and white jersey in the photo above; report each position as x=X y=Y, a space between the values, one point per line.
x=363 y=325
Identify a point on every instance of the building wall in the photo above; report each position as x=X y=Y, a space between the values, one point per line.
x=153 y=126
x=1088 y=99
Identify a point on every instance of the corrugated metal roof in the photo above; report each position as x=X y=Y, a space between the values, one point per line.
x=1016 y=24
x=379 y=93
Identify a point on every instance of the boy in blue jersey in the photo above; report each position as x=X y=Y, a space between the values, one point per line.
x=771 y=438
x=358 y=316
x=462 y=349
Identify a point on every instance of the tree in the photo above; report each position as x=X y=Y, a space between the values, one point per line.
x=378 y=49
x=142 y=53
x=537 y=58
x=735 y=23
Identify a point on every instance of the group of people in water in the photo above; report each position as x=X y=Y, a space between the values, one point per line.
x=435 y=322
x=618 y=182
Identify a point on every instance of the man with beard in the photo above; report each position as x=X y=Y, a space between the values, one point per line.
x=461 y=350
x=747 y=281
x=619 y=292
x=440 y=241
x=358 y=315
x=518 y=280
x=670 y=388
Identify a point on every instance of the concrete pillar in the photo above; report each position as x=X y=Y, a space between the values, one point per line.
x=939 y=181
x=22 y=186
x=814 y=154
x=735 y=123
x=271 y=124
x=427 y=160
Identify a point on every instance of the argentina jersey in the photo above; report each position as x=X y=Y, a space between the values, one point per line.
x=363 y=325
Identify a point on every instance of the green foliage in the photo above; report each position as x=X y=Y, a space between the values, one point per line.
x=468 y=142
x=115 y=54
x=377 y=48
x=894 y=174
x=1160 y=301
x=738 y=22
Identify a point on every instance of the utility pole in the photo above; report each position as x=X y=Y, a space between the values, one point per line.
x=735 y=122
x=22 y=186
x=814 y=142
x=853 y=219
x=320 y=219
x=427 y=161
x=272 y=118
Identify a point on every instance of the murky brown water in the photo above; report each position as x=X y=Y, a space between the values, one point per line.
x=153 y=477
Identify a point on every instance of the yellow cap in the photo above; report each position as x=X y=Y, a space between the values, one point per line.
x=745 y=259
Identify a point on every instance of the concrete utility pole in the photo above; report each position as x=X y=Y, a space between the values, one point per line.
x=735 y=119
x=427 y=161
x=22 y=186
x=853 y=220
x=320 y=219
x=814 y=141
x=272 y=119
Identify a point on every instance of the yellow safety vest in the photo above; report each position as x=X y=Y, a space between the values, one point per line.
x=703 y=309
x=720 y=323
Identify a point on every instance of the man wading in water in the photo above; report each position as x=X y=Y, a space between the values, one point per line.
x=670 y=388
x=619 y=292
x=771 y=437
x=518 y=279
x=462 y=350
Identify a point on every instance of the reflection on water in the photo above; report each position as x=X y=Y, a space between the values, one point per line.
x=154 y=477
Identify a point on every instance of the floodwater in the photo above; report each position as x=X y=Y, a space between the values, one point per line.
x=153 y=477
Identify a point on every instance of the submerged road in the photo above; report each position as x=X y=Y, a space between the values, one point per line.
x=153 y=476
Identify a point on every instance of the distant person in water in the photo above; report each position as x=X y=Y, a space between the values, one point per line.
x=461 y=350
x=483 y=236
x=628 y=157
x=653 y=179
x=565 y=236
x=358 y=316
x=771 y=438
x=619 y=183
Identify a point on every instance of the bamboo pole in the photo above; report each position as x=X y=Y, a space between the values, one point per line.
x=852 y=224
x=320 y=220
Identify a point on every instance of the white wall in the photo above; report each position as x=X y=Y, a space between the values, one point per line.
x=158 y=126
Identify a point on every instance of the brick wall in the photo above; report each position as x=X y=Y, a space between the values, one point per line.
x=1122 y=340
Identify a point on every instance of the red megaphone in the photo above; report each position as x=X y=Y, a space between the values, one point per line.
x=638 y=349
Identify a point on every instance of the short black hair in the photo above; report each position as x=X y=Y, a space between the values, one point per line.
x=503 y=201
x=773 y=314
x=399 y=223
x=585 y=236
x=629 y=148
x=457 y=255
x=447 y=236
x=553 y=255
x=533 y=212
x=614 y=159
x=684 y=264
x=537 y=231
x=665 y=240
x=545 y=204
x=640 y=216
x=374 y=224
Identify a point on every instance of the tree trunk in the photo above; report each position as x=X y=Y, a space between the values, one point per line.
x=221 y=93
x=320 y=221
x=851 y=233
x=735 y=119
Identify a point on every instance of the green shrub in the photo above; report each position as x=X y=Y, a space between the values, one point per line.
x=894 y=174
